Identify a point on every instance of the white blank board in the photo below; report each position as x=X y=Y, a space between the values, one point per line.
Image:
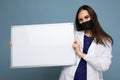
x=42 y=45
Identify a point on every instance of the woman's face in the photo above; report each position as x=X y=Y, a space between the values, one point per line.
x=83 y=16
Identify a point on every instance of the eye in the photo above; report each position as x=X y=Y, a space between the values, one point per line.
x=87 y=17
x=80 y=20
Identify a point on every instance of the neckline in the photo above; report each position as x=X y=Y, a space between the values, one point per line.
x=88 y=36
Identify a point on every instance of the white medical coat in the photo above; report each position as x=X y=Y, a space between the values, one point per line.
x=98 y=59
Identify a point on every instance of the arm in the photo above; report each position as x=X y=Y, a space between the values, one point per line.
x=77 y=49
x=101 y=62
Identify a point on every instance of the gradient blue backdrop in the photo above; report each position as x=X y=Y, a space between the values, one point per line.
x=20 y=12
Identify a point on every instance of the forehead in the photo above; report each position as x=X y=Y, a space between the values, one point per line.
x=83 y=13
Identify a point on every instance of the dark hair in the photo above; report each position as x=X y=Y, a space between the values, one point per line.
x=99 y=35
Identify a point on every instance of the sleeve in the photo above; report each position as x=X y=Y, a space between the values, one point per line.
x=100 y=62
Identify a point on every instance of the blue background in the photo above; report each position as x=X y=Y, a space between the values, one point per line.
x=25 y=12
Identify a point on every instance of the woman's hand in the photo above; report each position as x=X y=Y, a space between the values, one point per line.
x=10 y=44
x=76 y=47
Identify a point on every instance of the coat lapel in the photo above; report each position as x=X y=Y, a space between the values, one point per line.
x=80 y=38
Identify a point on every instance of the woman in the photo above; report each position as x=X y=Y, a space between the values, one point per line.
x=93 y=47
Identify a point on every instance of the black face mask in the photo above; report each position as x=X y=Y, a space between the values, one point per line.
x=85 y=26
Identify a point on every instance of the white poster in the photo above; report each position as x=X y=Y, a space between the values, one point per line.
x=42 y=45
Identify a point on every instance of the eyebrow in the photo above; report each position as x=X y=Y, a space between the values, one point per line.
x=86 y=16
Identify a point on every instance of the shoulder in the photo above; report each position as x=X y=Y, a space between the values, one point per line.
x=107 y=43
x=107 y=48
x=79 y=32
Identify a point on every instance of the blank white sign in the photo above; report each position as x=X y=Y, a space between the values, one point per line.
x=42 y=45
